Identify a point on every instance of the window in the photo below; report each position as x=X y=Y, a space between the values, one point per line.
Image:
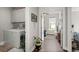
x=52 y=23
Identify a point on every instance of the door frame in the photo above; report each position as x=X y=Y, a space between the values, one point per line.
x=42 y=26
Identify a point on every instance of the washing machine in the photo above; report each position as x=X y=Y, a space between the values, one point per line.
x=14 y=37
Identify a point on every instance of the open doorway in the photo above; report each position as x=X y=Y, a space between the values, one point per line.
x=52 y=25
x=51 y=32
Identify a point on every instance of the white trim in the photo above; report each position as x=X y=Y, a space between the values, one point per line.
x=27 y=27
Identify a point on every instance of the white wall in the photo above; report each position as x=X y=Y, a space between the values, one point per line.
x=75 y=20
x=33 y=28
x=5 y=18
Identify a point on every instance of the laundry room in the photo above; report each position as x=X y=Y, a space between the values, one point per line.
x=12 y=29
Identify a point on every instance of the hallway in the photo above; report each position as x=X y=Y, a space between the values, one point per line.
x=51 y=44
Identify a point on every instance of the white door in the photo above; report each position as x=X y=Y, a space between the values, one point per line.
x=66 y=42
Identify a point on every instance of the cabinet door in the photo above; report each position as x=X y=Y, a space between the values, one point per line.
x=18 y=15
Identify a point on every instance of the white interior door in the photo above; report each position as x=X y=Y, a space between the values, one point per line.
x=66 y=42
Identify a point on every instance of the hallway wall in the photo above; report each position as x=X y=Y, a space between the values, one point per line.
x=31 y=28
x=5 y=20
x=75 y=18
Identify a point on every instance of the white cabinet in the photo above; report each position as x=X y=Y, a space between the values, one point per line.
x=18 y=14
